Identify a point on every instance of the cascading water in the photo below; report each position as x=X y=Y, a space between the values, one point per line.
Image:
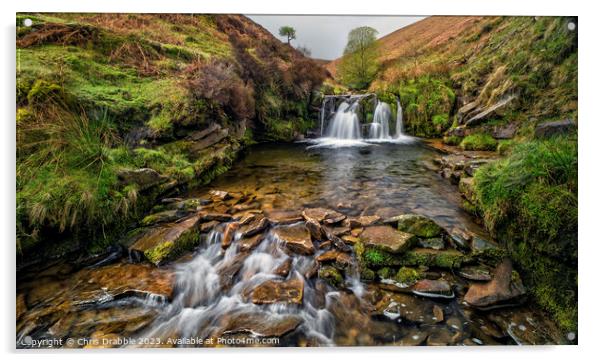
x=379 y=128
x=399 y=121
x=345 y=124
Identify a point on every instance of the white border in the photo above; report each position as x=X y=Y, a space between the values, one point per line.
x=590 y=130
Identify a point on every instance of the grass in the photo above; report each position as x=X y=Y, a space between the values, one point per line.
x=529 y=200
x=478 y=142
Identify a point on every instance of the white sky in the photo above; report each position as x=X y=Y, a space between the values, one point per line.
x=326 y=35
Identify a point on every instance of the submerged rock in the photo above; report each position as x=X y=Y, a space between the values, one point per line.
x=416 y=224
x=262 y=324
x=505 y=287
x=433 y=288
x=387 y=239
x=250 y=243
x=165 y=243
x=296 y=238
x=278 y=291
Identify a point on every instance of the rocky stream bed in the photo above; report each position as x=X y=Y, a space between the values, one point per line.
x=301 y=247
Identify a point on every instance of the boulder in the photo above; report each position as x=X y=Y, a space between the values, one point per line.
x=250 y=243
x=296 y=238
x=418 y=225
x=229 y=232
x=283 y=269
x=219 y=195
x=256 y=225
x=387 y=239
x=282 y=217
x=144 y=177
x=331 y=275
x=433 y=288
x=506 y=286
x=315 y=229
x=167 y=242
x=555 y=128
x=278 y=291
x=162 y=217
x=489 y=112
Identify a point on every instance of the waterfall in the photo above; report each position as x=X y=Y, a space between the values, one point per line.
x=379 y=128
x=399 y=121
x=345 y=124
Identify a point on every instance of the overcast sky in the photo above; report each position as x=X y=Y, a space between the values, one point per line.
x=326 y=35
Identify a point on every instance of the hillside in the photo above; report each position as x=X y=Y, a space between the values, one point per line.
x=117 y=110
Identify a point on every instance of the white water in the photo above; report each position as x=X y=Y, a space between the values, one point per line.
x=346 y=123
x=399 y=121
x=379 y=128
x=201 y=304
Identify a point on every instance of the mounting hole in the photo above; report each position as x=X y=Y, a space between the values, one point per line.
x=571 y=26
x=28 y=22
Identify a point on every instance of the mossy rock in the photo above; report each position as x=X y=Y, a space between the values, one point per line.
x=479 y=142
x=418 y=225
x=331 y=275
x=408 y=276
x=386 y=272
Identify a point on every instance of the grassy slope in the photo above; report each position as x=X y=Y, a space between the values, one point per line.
x=528 y=200
x=98 y=93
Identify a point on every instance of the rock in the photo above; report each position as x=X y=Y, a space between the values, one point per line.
x=505 y=287
x=555 y=128
x=144 y=177
x=464 y=110
x=21 y=306
x=466 y=187
x=331 y=275
x=229 y=270
x=460 y=239
x=407 y=276
x=220 y=195
x=162 y=217
x=165 y=243
x=283 y=269
x=215 y=216
x=208 y=141
x=315 y=229
x=526 y=326
x=433 y=288
x=325 y=244
x=387 y=239
x=336 y=231
x=418 y=225
x=296 y=238
x=406 y=306
x=504 y=132
x=440 y=337
x=479 y=244
x=284 y=217
x=250 y=243
x=327 y=256
x=476 y=273
x=334 y=218
x=438 y=314
x=256 y=225
x=348 y=239
x=276 y=291
x=200 y=134
x=318 y=214
x=357 y=222
x=262 y=324
x=488 y=113
x=208 y=226
x=229 y=234
x=432 y=243
x=414 y=337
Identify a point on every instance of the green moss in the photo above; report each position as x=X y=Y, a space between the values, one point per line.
x=478 y=142
x=407 y=276
x=446 y=259
x=504 y=147
x=418 y=225
x=452 y=140
x=385 y=273
x=331 y=275
x=171 y=250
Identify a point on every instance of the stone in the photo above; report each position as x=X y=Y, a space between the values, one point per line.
x=315 y=229
x=387 y=239
x=418 y=225
x=438 y=314
x=327 y=256
x=407 y=276
x=331 y=275
x=336 y=231
x=349 y=239
x=200 y=134
x=466 y=187
x=262 y=324
x=162 y=217
x=250 y=243
x=334 y=218
x=220 y=195
x=505 y=287
x=432 y=243
x=145 y=178
x=504 y=132
x=208 y=141
x=460 y=239
x=278 y=291
x=208 y=226
x=433 y=288
x=440 y=337
x=255 y=226
x=318 y=214
x=284 y=269
x=489 y=112
x=296 y=238
x=280 y=217
x=555 y=128
x=479 y=244
x=214 y=216
x=229 y=270
x=414 y=337
x=229 y=232
x=165 y=243
x=21 y=306
x=475 y=272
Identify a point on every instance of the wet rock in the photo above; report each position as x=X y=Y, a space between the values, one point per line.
x=296 y=238
x=262 y=324
x=418 y=225
x=356 y=232
x=284 y=217
x=168 y=242
x=144 y=177
x=284 y=269
x=162 y=217
x=315 y=230
x=387 y=239
x=440 y=337
x=334 y=218
x=407 y=306
x=349 y=239
x=479 y=244
x=21 y=306
x=227 y=272
x=327 y=256
x=432 y=243
x=256 y=225
x=414 y=337
x=318 y=214
x=331 y=275
x=505 y=287
x=336 y=231
x=526 y=327
x=208 y=226
x=438 y=314
x=214 y=216
x=312 y=271
x=475 y=272
x=325 y=244
x=460 y=239
x=407 y=276
x=433 y=288
x=554 y=128
x=219 y=195
x=362 y=221
x=250 y=243
x=229 y=232
x=277 y=291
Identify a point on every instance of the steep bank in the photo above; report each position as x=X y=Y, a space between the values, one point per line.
x=116 y=110
x=506 y=84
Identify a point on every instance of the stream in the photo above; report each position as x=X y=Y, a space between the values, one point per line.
x=254 y=291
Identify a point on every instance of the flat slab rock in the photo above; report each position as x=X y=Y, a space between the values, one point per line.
x=504 y=287
x=387 y=238
x=320 y=215
x=262 y=324
x=296 y=238
x=416 y=224
x=278 y=291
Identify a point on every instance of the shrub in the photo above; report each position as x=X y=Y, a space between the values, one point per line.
x=529 y=200
x=478 y=142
